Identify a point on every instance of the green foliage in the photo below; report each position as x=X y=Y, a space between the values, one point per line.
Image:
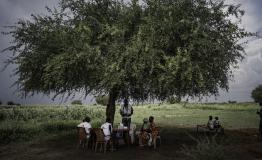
x=232 y=101
x=257 y=94
x=152 y=49
x=26 y=122
x=77 y=102
x=173 y=99
x=205 y=149
x=102 y=100
x=10 y=103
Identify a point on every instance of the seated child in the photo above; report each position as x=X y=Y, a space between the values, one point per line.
x=143 y=136
x=107 y=129
x=210 y=123
x=86 y=124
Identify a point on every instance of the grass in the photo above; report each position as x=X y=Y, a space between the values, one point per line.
x=26 y=122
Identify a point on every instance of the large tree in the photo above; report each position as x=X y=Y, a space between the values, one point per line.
x=150 y=49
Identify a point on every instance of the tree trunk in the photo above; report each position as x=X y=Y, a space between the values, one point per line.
x=111 y=107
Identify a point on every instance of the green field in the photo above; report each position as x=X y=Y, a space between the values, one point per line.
x=22 y=123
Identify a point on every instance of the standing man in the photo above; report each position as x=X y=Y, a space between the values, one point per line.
x=126 y=112
x=260 y=124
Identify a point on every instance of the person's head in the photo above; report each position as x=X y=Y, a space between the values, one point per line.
x=87 y=119
x=210 y=117
x=125 y=102
x=151 y=119
x=108 y=120
x=145 y=120
x=216 y=118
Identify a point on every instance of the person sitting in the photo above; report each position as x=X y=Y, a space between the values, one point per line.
x=86 y=124
x=152 y=130
x=143 y=135
x=107 y=129
x=217 y=125
x=210 y=123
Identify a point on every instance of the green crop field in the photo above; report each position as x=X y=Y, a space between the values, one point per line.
x=20 y=123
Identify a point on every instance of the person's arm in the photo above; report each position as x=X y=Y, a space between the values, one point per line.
x=121 y=111
x=110 y=129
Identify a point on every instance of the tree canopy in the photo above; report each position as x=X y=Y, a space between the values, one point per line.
x=149 y=49
x=257 y=94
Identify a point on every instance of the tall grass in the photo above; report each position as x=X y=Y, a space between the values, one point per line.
x=26 y=122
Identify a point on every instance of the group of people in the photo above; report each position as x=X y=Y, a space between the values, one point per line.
x=145 y=135
x=213 y=124
x=126 y=111
x=147 y=132
x=148 y=129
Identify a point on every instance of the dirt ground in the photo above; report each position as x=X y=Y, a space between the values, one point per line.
x=239 y=144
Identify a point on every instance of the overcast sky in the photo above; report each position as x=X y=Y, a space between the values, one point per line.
x=246 y=78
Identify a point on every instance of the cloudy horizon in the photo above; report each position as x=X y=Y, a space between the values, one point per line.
x=246 y=77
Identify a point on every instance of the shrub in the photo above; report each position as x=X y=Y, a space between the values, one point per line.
x=232 y=102
x=56 y=126
x=10 y=103
x=257 y=94
x=204 y=150
x=173 y=100
x=77 y=102
x=102 y=100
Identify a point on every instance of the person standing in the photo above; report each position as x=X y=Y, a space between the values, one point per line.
x=126 y=112
x=260 y=124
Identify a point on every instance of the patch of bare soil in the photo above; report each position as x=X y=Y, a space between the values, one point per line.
x=239 y=144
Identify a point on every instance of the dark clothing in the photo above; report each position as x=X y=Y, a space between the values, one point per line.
x=126 y=122
x=260 y=113
x=260 y=124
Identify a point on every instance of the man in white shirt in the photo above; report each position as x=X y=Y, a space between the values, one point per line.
x=86 y=124
x=126 y=112
x=107 y=129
